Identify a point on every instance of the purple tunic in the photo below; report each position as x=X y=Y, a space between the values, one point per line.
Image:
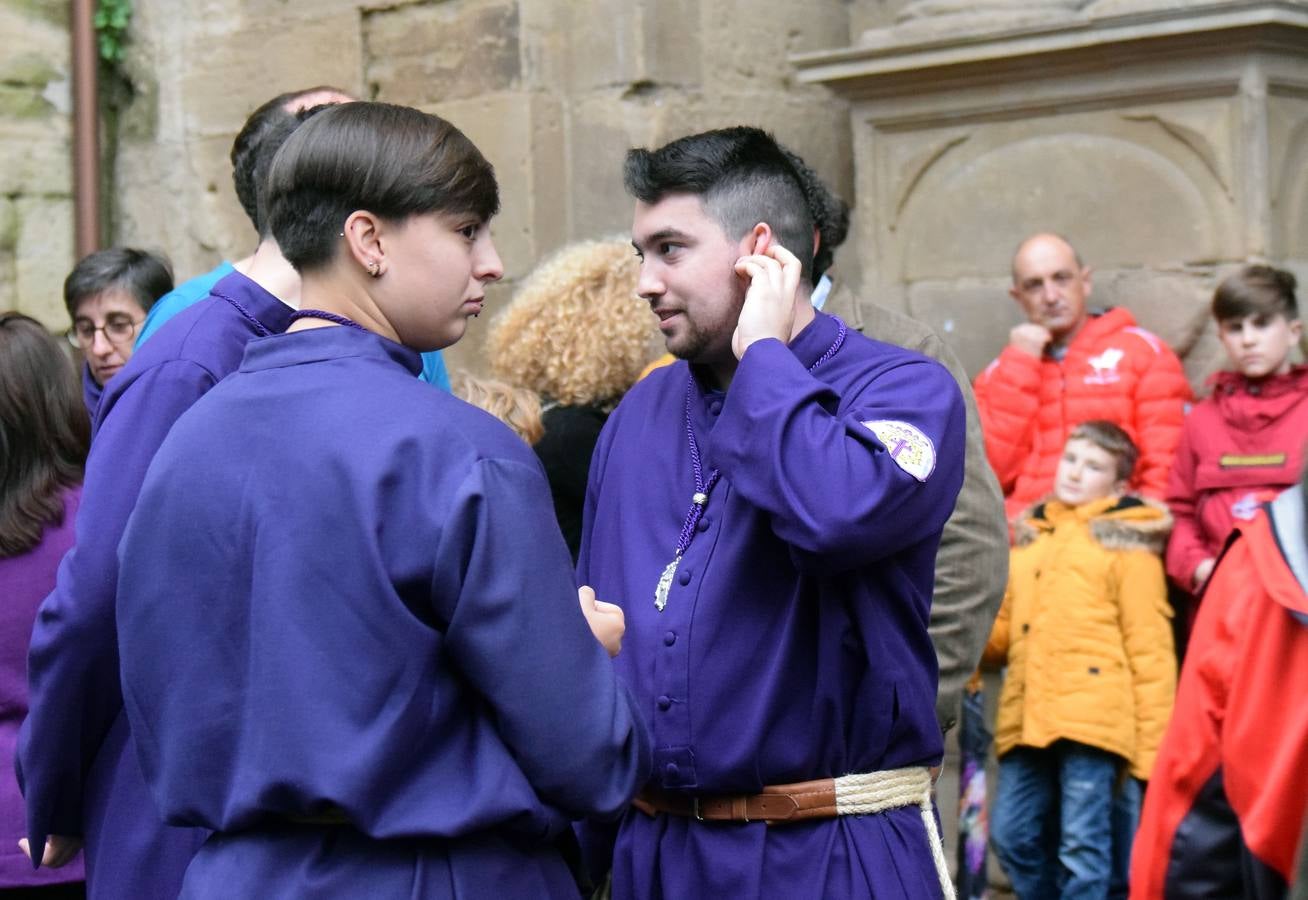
x=366 y=593
x=76 y=763
x=24 y=582
x=794 y=642
x=92 y=391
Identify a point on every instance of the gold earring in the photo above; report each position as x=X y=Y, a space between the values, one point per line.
x=374 y=268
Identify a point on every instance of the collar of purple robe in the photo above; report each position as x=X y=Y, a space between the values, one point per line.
x=265 y=313
x=319 y=344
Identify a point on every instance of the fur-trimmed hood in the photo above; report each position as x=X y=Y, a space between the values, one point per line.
x=1117 y=523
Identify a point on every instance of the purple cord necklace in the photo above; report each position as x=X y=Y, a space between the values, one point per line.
x=704 y=485
x=328 y=316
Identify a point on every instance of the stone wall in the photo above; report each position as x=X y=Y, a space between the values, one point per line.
x=36 y=211
x=1167 y=169
x=553 y=91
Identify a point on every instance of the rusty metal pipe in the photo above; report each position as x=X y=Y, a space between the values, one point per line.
x=86 y=129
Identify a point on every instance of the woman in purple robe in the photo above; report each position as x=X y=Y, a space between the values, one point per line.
x=44 y=436
x=351 y=643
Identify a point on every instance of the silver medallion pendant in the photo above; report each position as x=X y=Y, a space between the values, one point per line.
x=665 y=584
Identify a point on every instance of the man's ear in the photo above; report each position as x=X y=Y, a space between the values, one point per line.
x=757 y=241
x=1087 y=280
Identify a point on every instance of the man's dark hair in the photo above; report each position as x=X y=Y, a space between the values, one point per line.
x=393 y=161
x=44 y=432
x=742 y=176
x=258 y=142
x=830 y=214
x=1256 y=291
x=146 y=276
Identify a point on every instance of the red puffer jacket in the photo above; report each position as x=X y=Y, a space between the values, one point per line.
x=1242 y=445
x=1113 y=370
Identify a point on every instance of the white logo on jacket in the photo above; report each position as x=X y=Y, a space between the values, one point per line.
x=1246 y=507
x=907 y=445
x=1105 y=367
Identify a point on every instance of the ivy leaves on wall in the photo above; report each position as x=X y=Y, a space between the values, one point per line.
x=111 y=20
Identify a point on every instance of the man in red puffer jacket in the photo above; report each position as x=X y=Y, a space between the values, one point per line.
x=1067 y=365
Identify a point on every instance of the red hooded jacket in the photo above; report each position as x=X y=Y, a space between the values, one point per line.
x=1225 y=806
x=1241 y=446
x=1113 y=370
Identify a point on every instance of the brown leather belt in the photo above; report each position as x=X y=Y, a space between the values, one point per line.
x=775 y=805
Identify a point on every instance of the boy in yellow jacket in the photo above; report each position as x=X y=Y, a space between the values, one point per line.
x=1085 y=634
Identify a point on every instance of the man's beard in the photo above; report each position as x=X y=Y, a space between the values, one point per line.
x=700 y=344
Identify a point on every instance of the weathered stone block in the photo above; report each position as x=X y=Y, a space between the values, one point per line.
x=746 y=42
x=973 y=316
x=1122 y=186
x=37 y=159
x=635 y=46
x=226 y=75
x=43 y=256
x=1287 y=126
x=434 y=52
x=8 y=225
x=31 y=69
x=53 y=12
x=1173 y=305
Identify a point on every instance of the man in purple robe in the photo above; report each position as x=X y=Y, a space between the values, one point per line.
x=76 y=762
x=767 y=511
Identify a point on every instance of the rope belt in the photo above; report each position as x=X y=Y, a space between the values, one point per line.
x=848 y=795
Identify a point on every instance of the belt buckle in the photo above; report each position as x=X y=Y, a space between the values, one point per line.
x=694 y=806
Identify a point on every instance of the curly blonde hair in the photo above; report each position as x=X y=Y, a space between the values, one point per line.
x=516 y=407
x=575 y=331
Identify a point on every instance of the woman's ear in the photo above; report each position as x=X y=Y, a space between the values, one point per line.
x=363 y=238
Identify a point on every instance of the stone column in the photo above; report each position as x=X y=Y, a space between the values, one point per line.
x=1168 y=139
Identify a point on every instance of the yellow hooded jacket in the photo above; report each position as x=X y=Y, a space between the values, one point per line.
x=1085 y=631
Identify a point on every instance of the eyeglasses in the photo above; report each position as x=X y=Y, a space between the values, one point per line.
x=117 y=330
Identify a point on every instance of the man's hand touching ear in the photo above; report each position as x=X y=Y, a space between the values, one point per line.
x=769 y=310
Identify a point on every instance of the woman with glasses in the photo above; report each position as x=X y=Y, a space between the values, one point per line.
x=108 y=294
x=44 y=434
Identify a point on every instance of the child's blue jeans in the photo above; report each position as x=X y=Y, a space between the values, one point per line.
x=1052 y=821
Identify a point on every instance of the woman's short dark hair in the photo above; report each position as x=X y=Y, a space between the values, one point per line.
x=1256 y=290
x=392 y=161
x=44 y=432
x=742 y=176
x=146 y=276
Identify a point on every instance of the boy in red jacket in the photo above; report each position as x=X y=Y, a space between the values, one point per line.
x=1243 y=444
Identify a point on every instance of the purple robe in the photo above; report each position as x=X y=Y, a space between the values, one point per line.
x=362 y=608
x=76 y=762
x=24 y=582
x=92 y=391
x=794 y=642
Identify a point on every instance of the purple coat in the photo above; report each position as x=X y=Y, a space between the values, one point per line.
x=794 y=642
x=24 y=582
x=362 y=605
x=76 y=761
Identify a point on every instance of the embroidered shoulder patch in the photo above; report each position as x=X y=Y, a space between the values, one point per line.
x=907 y=445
